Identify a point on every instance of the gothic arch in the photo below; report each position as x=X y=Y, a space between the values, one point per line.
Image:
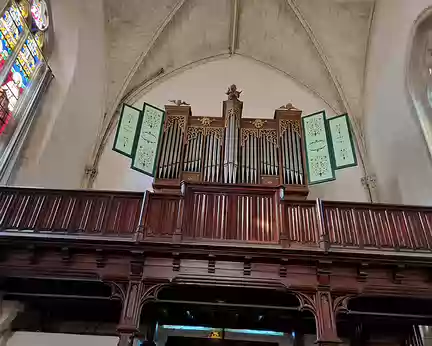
x=419 y=73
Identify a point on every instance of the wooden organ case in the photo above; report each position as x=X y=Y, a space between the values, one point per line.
x=231 y=149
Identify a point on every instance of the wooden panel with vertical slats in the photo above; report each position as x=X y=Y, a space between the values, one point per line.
x=161 y=215
x=231 y=215
x=87 y=212
x=240 y=213
x=300 y=223
x=378 y=226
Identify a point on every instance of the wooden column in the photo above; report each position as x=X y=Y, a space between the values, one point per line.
x=129 y=320
x=131 y=293
x=325 y=319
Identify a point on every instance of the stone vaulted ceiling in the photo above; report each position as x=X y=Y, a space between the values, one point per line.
x=322 y=44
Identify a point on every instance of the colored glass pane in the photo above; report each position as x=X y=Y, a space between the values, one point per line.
x=24 y=8
x=40 y=39
x=39 y=12
x=9 y=29
x=17 y=17
x=26 y=61
x=35 y=51
x=19 y=77
x=5 y=50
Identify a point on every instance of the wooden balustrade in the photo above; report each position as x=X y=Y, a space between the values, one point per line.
x=378 y=226
x=233 y=213
x=247 y=215
x=161 y=215
x=300 y=223
x=86 y=212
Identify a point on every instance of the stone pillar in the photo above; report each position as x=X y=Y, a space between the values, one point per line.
x=8 y=311
x=130 y=316
x=325 y=319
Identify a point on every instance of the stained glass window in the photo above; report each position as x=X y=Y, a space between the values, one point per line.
x=16 y=22
x=21 y=72
x=39 y=12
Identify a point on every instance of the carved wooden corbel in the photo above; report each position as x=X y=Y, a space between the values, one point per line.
x=33 y=254
x=362 y=272
x=247 y=266
x=65 y=255
x=136 y=266
x=100 y=258
x=211 y=269
x=283 y=268
x=323 y=273
x=176 y=262
x=398 y=273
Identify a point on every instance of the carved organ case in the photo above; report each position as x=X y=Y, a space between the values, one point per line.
x=231 y=149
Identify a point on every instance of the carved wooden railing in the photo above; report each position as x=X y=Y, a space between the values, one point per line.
x=247 y=215
x=378 y=226
x=74 y=212
x=208 y=213
x=300 y=224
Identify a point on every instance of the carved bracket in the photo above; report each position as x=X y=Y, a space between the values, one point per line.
x=195 y=131
x=284 y=125
x=269 y=134
x=362 y=272
x=283 y=268
x=247 y=266
x=176 y=262
x=211 y=264
x=100 y=258
x=323 y=273
x=179 y=120
x=398 y=273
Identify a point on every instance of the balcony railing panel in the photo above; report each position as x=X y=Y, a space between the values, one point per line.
x=300 y=223
x=378 y=226
x=161 y=215
x=234 y=213
x=97 y=213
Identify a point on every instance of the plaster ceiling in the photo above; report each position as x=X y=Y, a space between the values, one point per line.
x=320 y=43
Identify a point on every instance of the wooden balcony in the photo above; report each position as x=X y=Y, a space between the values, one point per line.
x=216 y=214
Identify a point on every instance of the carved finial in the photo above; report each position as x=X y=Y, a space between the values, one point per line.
x=232 y=93
x=179 y=102
x=289 y=106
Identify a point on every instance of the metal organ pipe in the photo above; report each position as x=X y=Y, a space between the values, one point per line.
x=231 y=141
x=167 y=153
x=162 y=155
x=206 y=154
x=172 y=153
x=218 y=159
x=199 y=153
x=234 y=152
x=255 y=159
x=176 y=152
x=243 y=163
x=300 y=158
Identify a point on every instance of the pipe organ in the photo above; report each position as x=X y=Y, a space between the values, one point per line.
x=232 y=149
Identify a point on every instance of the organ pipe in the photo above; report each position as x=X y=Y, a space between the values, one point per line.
x=232 y=149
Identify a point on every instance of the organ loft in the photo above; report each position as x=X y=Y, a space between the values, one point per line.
x=232 y=149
